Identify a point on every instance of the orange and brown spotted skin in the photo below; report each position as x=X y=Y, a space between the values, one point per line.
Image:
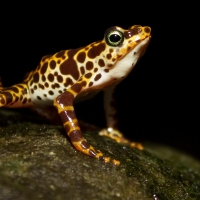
x=76 y=74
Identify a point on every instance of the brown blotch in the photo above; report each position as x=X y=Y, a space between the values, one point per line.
x=95 y=70
x=68 y=82
x=16 y=99
x=44 y=68
x=101 y=63
x=46 y=85
x=35 y=87
x=85 y=145
x=63 y=57
x=32 y=91
x=97 y=77
x=57 y=85
x=88 y=75
x=41 y=86
x=50 y=77
x=24 y=101
x=60 y=54
x=84 y=83
x=82 y=70
x=45 y=95
x=39 y=98
x=59 y=78
x=113 y=59
x=67 y=115
x=21 y=97
x=36 y=77
x=75 y=135
x=59 y=61
x=69 y=66
x=89 y=65
x=108 y=56
x=60 y=92
x=51 y=92
x=43 y=78
x=109 y=65
x=77 y=87
x=106 y=70
x=81 y=57
x=8 y=96
x=90 y=84
x=111 y=50
x=96 y=50
x=55 y=74
x=52 y=64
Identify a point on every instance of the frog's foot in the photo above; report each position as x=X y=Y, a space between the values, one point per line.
x=84 y=147
x=118 y=137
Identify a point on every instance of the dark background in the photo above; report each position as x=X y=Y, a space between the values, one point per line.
x=158 y=101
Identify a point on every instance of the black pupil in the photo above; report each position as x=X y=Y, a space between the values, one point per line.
x=115 y=38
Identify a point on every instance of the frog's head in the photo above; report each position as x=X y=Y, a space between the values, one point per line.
x=124 y=48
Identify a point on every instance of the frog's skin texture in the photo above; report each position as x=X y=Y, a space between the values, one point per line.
x=74 y=75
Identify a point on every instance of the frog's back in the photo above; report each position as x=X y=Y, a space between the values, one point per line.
x=96 y=66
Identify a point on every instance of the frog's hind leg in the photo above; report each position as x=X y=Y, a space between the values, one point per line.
x=15 y=96
x=112 y=131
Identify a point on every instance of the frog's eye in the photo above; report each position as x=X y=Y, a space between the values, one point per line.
x=114 y=38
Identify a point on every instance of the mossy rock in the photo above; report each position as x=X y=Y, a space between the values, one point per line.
x=37 y=161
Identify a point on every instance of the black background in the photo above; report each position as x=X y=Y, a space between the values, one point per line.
x=158 y=101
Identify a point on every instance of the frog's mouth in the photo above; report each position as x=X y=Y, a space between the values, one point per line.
x=144 y=48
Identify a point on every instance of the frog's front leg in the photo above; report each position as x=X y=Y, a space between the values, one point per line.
x=111 y=119
x=64 y=105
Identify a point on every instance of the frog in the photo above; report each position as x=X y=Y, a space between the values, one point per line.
x=70 y=76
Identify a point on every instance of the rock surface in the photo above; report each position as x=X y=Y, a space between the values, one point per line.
x=37 y=161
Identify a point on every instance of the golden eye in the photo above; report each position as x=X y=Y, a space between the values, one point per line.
x=114 y=38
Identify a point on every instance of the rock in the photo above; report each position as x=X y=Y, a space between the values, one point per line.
x=37 y=161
